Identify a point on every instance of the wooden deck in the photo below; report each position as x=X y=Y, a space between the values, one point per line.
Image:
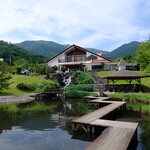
x=117 y=136
x=114 y=138
x=99 y=113
x=111 y=123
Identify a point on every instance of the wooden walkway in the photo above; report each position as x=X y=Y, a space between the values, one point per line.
x=117 y=136
x=114 y=138
x=99 y=113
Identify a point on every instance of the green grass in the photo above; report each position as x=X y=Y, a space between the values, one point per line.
x=78 y=94
x=144 y=81
x=131 y=96
x=132 y=100
x=16 y=79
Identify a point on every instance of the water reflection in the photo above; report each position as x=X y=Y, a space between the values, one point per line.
x=40 y=126
x=145 y=133
x=47 y=126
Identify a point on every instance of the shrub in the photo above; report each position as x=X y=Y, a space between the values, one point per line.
x=25 y=87
x=84 y=78
x=44 y=85
x=4 y=81
x=78 y=94
x=82 y=87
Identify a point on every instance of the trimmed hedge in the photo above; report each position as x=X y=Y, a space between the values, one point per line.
x=78 y=94
x=82 y=87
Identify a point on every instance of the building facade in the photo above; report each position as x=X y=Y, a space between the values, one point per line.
x=75 y=58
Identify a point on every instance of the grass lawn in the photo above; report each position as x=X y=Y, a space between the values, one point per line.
x=144 y=81
x=132 y=96
x=13 y=90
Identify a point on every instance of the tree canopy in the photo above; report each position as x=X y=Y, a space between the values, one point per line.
x=10 y=53
x=143 y=55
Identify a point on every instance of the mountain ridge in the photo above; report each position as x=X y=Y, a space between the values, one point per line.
x=49 y=48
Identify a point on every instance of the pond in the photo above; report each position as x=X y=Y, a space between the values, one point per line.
x=47 y=126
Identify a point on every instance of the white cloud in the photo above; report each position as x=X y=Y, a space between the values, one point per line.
x=89 y=23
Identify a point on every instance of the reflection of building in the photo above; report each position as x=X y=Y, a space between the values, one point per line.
x=75 y=58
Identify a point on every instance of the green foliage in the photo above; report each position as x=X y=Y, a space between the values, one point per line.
x=10 y=53
x=78 y=94
x=84 y=78
x=44 y=48
x=4 y=67
x=143 y=54
x=4 y=81
x=63 y=68
x=125 y=49
x=129 y=58
x=25 y=87
x=131 y=96
x=82 y=87
x=44 y=85
x=44 y=69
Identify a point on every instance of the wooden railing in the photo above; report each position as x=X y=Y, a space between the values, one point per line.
x=74 y=59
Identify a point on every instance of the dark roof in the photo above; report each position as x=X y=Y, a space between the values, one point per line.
x=75 y=46
x=124 y=74
x=132 y=64
x=122 y=62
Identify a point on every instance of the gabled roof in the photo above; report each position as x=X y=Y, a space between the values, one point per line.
x=124 y=74
x=75 y=46
x=122 y=62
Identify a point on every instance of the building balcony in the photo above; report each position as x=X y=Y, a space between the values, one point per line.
x=75 y=59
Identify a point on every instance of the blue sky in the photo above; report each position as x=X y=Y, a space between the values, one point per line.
x=101 y=24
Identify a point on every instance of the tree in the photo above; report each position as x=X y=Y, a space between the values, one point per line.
x=128 y=58
x=4 y=81
x=143 y=54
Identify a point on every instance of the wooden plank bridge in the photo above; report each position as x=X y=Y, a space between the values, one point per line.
x=117 y=136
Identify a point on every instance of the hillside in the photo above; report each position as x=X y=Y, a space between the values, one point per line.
x=10 y=52
x=44 y=48
x=49 y=48
x=125 y=49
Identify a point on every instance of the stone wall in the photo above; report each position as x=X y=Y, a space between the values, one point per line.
x=121 y=88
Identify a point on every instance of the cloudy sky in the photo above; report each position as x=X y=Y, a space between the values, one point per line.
x=101 y=24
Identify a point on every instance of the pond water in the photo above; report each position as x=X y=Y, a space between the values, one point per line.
x=47 y=126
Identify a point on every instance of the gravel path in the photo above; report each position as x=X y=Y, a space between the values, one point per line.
x=16 y=99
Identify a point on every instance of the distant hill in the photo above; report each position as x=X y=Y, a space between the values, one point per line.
x=49 y=48
x=12 y=52
x=45 y=48
x=125 y=49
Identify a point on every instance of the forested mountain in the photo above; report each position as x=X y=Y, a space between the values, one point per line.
x=125 y=49
x=10 y=53
x=44 y=48
x=50 y=49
